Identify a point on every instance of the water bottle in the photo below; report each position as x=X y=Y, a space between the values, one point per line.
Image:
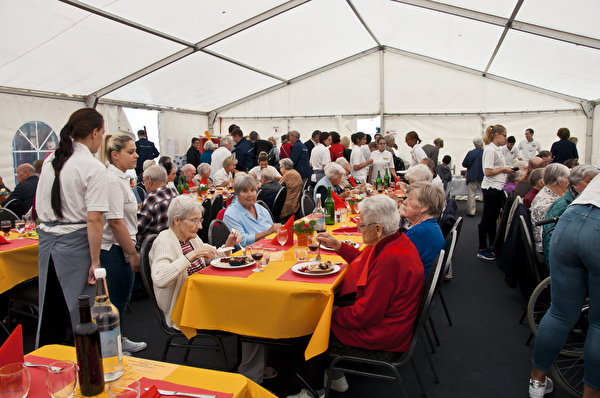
x=319 y=216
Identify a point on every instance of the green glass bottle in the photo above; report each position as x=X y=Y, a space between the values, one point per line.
x=180 y=187
x=386 y=179
x=329 y=208
x=379 y=182
x=185 y=184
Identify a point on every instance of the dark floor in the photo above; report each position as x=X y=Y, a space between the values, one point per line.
x=482 y=355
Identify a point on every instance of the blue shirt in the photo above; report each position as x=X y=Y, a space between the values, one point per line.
x=474 y=164
x=564 y=150
x=300 y=157
x=244 y=153
x=206 y=157
x=236 y=216
x=428 y=239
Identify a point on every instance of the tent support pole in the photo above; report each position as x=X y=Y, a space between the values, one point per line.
x=381 y=91
x=588 y=109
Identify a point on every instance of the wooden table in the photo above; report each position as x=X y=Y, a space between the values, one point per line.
x=18 y=262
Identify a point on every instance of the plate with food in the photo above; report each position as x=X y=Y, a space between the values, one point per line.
x=234 y=262
x=316 y=268
x=351 y=243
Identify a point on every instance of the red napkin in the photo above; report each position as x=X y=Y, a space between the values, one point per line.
x=12 y=349
x=3 y=240
x=151 y=393
x=355 y=219
x=289 y=225
x=165 y=385
x=339 y=202
x=203 y=181
x=185 y=191
x=346 y=230
x=352 y=182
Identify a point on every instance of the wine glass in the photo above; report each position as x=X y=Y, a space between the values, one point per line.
x=282 y=237
x=61 y=379
x=14 y=380
x=257 y=251
x=20 y=227
x=313 y=244
x=124 y=388
x=344 y=216
x=265 y=259
x=6 y=226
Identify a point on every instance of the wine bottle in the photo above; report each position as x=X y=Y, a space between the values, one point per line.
x=329 y=208
x=185 y=184
x=379 y=182
x=89 y=351
x=319 y=216
x=106 y=316
x=386 y=179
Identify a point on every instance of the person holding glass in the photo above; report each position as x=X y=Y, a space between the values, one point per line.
x=71 y=198
x=251 y=219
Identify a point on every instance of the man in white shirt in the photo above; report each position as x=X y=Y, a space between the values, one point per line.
x=222 y=152
x=529 y=147
x=509 y=151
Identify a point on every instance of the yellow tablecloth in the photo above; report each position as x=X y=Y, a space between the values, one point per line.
x=231 y=383
x=17 y=265
x=260 y=305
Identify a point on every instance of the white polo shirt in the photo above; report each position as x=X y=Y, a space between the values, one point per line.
x=493 y=159
x=216 y=160
x=417 y=154
x=529 y=149
x=221 y=176
x=319 y=157
x=83 y=188
x=256 y=170
x=357 y=157
x=381 y=161
x=510 y=155
x=121 y=205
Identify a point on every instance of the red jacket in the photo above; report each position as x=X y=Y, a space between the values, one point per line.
x=336 y=150
x=383 y=316
x=285 y=151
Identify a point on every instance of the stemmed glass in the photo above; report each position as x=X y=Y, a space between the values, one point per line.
x=313 y=244
x=282 y=237
x=29 y=222
x=6 y=226
x=14 y=380
x=257 y=251
x=20 y=227
x=344 y=216
x=61 y=379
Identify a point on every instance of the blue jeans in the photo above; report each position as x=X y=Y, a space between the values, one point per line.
x=119 y=278
x=575 y=266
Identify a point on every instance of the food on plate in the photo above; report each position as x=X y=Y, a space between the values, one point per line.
x=236 y=261
x=317 y=268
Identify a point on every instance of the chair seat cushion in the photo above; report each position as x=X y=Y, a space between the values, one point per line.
x=337 y=349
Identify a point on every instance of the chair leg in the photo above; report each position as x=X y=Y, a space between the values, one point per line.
x=308 y=387
x=429 y=339
x=523 y=316
x=529 y=339
x=435 y=375
x=167 y=346
x=435 y=335
x=445 y=307
x=414 y=365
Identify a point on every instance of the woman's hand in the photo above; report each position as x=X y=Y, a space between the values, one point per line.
x=508 y=170
x=402 y=185
x=233 y=238
x=206 y=251
x=274 y=228
x=134 y=261
x=329 y=241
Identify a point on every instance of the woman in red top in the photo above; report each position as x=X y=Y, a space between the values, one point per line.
x=285 y=151
x=336 y=149
x=388 y=279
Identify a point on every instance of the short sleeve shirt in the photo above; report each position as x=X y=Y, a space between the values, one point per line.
x=381 y=161
x=357 y=157
x=417 y=154
x=493 y=159
x=121 y=205
x=529 y=149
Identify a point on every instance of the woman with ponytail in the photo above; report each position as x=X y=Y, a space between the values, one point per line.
x=118 y=254
x=71 y=198
x=495 y=171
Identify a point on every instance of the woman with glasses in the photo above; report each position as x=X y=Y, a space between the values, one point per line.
x=388 y=279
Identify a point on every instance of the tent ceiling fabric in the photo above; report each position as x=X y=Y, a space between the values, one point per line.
x=58 y=48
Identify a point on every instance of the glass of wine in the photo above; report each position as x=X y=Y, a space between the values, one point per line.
x=313 y=244
x=257 y=250
x=344 y=216
x=61 y=379
x=124 y=388
x=282 y=237
x=20 y=227
x=320 y=231
x=14 y=380
x=6 y=226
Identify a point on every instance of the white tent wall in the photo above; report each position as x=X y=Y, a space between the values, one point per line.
x=175 y=131
x=595 y=142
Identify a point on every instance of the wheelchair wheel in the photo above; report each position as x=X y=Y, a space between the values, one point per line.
x=567 y=371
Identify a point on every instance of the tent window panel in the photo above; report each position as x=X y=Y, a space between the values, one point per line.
x=32 y=141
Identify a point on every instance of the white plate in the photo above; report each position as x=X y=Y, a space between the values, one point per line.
x=329 y=249
x=224 y=249
x=296 y=269
x=218 y=264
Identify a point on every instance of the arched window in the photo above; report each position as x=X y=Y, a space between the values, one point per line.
x=32 y=141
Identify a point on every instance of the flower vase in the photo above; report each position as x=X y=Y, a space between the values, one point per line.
x=302 y=239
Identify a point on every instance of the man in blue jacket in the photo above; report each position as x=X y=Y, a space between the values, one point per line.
x=299 y=155
x=474 y=166
x=145 y=150
x=244 y=150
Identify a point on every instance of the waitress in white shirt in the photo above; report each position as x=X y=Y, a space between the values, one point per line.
x=358 y=162
x=416 y=152
x=70 y=200
x=320 y=157
x=382 y=160
x=494 y=170
x=118 y=255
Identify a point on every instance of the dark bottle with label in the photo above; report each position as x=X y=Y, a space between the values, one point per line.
x=329 y=208
x=89 y=351
x=386 y=179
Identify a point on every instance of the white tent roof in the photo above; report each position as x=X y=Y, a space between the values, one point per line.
x=203 y=56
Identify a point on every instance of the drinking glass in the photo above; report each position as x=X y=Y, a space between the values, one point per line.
x=282 y=237
x=301 y=253
x=20 y=227
x=265 y=259
x=257 y=251
x=29 y=222
x=313 y=244
x=61 y=379
x=124 y=388
x=6 y=226
x=344 y=215
x=14 y=380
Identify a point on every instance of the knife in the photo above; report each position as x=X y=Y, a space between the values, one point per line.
x=183 y=394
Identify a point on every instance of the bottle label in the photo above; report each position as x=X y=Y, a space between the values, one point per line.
x=111 y=343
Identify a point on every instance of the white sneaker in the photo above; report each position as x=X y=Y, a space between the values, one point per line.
x=304 y=394
x=339 y=385
x=538 y=390
x=132 y=346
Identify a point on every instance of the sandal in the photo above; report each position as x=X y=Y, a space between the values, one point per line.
x=269 y=373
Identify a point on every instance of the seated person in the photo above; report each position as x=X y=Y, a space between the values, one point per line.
x=263 y=163
x=512 y=180
x=203 y=176
x=422 y=206
x=189 y=171
x=536 y=179
x=225 y=175
x=24 y=192
x=293 y=184
x=251 y=219
x=436 y=179
x=333 y=175
x=347 y=182
x=419 y=172
x=388 y=279
x=269 y=186
x=443 y=170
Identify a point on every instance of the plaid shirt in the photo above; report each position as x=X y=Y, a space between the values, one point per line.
x=152 y=216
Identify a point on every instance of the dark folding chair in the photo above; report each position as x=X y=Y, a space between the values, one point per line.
x=306 y=205
x=263 y=204
x=140 y=193
x=305 y=184
x=218 y=232
x=216 y=206
x=7 y=214
x=278 y=203
x=23 y=299
x=203 y=233
x=173 y=333
x=385 y=359
x=260 y=195
x=16 y=206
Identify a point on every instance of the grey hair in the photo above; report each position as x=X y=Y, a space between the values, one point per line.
x=517 y=175
x=147 y=163
x=115 y=142
x=382 y=210
x=203 y=168
x=228 y=161
x=209 y=146
x=294 y=133
x=286 y=163
x=478 y=142
x=156 y=173
x=182 y=206
x=389 y=139
x=243 y=181
x=521 y=164
x=188 y=166
x=419 y=172
x=333 y=170
x=342 y=162
x=267 y=174
x=556 y=173
x=225 y=140
x=428 y=195
x=581 y=172
x=535 y=176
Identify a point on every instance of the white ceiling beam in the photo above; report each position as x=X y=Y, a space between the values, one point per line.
x=243 y=65
x=500 y=21
x=503 y=35
x=363 y=22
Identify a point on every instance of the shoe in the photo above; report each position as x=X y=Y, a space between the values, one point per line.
x=269 y=373
x=132 y=346
x=486 y=254
x=538 y=390
x=339 y=385
x=448 y=276
x=304 y=394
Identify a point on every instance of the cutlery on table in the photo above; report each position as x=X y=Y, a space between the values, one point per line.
x=41 y=365
x=183 y=394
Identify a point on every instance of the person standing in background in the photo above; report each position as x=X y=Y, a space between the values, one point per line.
x=193 y=153
x=433 y=151
x=314 y=140
x=244 y=150
x=206 y=156
x=299 y=155
x=145 y=150
x=416 y=152
x=564 y=149
x=336 y=150
x=509 y=151
x=320 y=156
x=472 y=162
x=222 y=152
x=358 y=162
x=529 y=147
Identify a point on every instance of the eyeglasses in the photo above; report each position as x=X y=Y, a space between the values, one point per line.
x=359 y=227
x=197 y=221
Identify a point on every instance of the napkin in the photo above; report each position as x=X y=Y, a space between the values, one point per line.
x=352 y=182
x=12 y=349
x=289 y=225
x=151 y=393
x=346 y=231
x=339 y=202
x=355 y=219
x=185 y=191
x=3 y=240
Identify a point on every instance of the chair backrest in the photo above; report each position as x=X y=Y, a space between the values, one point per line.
x=451 y=241
x=526 y=235
x=16 y=206
x=260 y=195
x=146 y=272
x=305 y=184
x=511 y=214
x=141 y=193
x=279 y=202
x=458 y=227
x=306 y=205
x=7 y=214
x=203 y=233
x=218 y=232
x=217 y=204
x=263 y=204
